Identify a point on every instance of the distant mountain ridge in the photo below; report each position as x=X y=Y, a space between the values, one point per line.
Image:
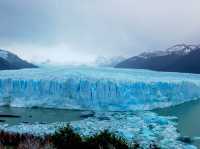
x=178 y=58
x=108 y=62
x=9 y=60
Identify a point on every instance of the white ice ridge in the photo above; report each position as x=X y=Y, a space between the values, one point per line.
x=96 y=88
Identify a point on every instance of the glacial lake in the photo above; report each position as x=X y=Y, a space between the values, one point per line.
x=41 y=115
x=188 y=115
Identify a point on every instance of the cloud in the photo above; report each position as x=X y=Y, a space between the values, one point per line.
x=82 y=30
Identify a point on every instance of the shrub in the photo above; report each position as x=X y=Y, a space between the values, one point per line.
x=23 y=141
x=9 y=139
x=106 y=140
x=34 y=143
x=29 y=143
x=66 y=138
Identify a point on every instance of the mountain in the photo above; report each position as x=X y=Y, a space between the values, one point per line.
x=9 y=60
x=179 y=58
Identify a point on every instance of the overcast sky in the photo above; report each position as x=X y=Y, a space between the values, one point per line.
x=81 y=30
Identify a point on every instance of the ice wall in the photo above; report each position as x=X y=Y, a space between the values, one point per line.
x=96 y=88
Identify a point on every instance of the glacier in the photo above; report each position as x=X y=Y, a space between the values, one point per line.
x=93 y=88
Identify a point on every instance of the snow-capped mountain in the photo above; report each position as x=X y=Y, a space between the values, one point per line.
x=178 y=58
x=9 y=60
x=179 y=49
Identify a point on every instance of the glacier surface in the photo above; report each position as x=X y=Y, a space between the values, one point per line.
x=96 y=88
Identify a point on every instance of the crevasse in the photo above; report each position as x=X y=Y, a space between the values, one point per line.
x=96 y=88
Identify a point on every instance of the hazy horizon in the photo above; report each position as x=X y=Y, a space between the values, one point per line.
x=80 y=31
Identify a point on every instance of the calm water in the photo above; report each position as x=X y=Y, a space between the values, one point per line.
x=29 y=115
x=188 y=118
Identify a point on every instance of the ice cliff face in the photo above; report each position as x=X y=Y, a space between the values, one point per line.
x=96 y=88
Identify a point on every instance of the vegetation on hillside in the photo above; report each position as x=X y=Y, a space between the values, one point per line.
x=66 y=138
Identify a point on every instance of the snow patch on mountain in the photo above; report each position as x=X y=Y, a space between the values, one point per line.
x=3 y=54
x=9 y=61
x=180 y=49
